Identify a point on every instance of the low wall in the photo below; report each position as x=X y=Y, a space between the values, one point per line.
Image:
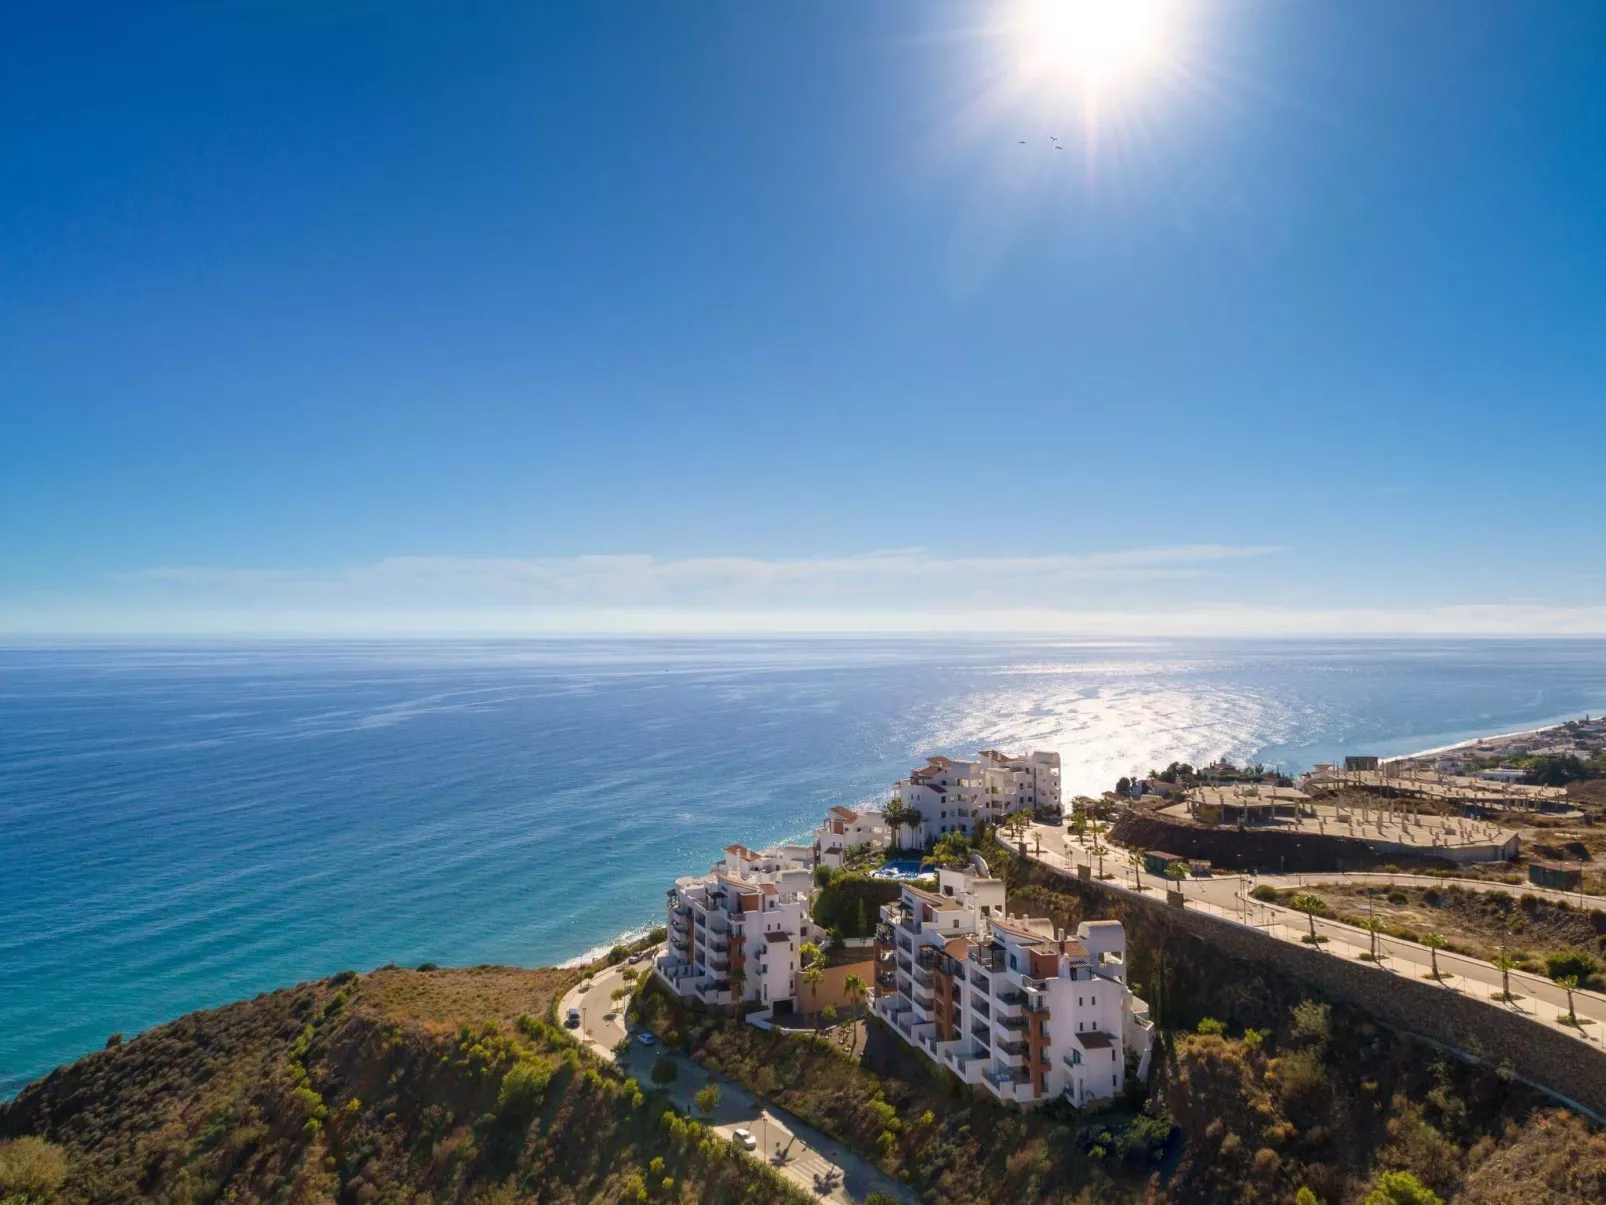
x=1267 y=850
x=1247 y=965
x=811 y=1000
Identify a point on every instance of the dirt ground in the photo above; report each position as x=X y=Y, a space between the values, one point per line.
x=1473 y=922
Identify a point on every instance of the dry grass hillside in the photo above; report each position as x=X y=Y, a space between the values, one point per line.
x=394 y=1087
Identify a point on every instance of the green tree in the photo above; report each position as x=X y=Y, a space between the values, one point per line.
x=1401 y=1188
x=665 y=1070
x=951 y=850
x=523 y=1088
x=899 y=815
x=1306 y=1197
x=1136 y=858
x=1310 y=905
x=1434 y=942
x=1177 y=871
x=707 y=1099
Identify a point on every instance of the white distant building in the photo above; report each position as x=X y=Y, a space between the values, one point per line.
x=954 y=796
x=846 y=830
x=1024 y=1011
x=740 y=928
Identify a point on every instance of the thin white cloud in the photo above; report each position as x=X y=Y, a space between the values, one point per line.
x=640 y=580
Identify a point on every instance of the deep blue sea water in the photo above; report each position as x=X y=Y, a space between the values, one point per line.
x=184 y=826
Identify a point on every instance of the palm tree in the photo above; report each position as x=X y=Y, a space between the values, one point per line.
x=1505 y=964
x=1435 y=942
x=812 y=975
x=899 y=815
x=1373 y=926
x=1177 y=871
x=853 y=987
x=1136 y=858
x=1568 y=984
x=1310 y=905
x=1097 y=849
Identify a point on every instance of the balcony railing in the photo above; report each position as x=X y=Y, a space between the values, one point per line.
x=1012 y=997
x=927 y=956
x=982 y=1034
x=1013 y=1046
x=980 y=1008
x=1037 y=1003
x=979 y=980
x=922 y=976
x=989 y=958
x=883 y=934
x=721 y=964
x=1013 y=1024
x=1034 y=985
x=999 y=1077
x=923 y=999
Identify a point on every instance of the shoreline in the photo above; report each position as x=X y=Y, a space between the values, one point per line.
x=1478 y=740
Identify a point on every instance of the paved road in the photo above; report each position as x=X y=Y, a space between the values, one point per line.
x=808 y=1153
x=1538 y=998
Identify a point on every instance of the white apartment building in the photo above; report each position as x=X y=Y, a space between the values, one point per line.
x=846 y=830
x=740 y=928
x=1024 y=1012
x=954 y=796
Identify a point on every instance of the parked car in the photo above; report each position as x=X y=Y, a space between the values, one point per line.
x=646 y=1039
x=573 y=1019
x=745 y=1137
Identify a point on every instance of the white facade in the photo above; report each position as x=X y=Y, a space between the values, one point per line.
x=846 y=830
x=1024 y=1012
x=749 y=916
x=955 y=796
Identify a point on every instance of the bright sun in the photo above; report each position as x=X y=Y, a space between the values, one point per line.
x=1098 y=43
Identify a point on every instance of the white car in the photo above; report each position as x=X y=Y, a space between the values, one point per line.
x=745 y=1137
x=646 y=1039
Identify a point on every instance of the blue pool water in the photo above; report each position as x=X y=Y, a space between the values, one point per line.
x=898 y=869
x=184 y=826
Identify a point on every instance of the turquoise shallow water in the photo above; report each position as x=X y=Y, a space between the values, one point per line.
x=184 y=826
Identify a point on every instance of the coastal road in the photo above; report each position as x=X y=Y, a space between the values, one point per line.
x=1227 y=896
x=807 y=1152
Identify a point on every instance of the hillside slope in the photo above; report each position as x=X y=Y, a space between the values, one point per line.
x=399 y=1086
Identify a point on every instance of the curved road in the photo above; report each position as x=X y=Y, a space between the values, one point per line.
x=807 y=1152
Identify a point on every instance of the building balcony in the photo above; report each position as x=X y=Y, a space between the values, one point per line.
x=1034 y=985
x=980 y=1007
x=988 y=958
x=720 y=964
x=883 y=934
x=999 y=1077
x=982 y=1034
x=1036 y=1004
x=1014 y=1046
x=1011 y=997
x=1072 y=1058
x=978 y=980
x=905 y=966
x=922 y=998
x=904 y=944
x=922 y=976
x=719 y=945
x=1013 y=1024
x=927 y=956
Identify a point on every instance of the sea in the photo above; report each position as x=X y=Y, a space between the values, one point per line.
x=186 y=825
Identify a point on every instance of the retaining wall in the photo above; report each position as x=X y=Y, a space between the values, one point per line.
x=1247 y=966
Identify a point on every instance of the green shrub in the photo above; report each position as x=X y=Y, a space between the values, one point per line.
x=523 y=1088
x=1572 y=962
x=1209 y=1025
x=1401 y=1188
x=665 y=1070
x=31 y=1169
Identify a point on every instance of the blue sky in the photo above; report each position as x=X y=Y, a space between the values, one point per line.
x=370 y=315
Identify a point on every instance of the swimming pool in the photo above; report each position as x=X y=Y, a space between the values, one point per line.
x=909 y=869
